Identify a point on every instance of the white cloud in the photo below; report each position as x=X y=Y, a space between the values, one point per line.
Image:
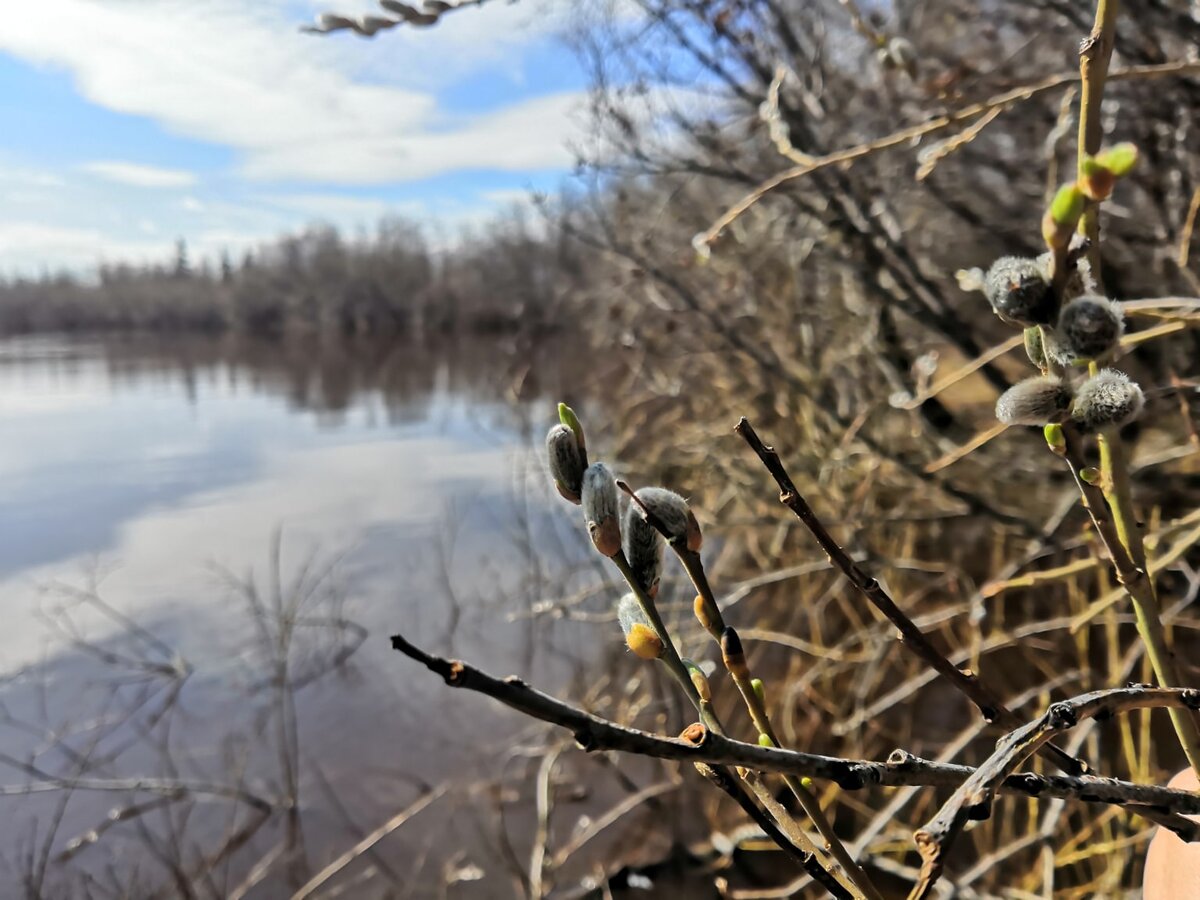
x=139 y=175
x=292 y=105
x=523 y=137
x=68 y=247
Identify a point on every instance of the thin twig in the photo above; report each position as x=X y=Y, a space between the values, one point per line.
x=910 y=635
x=701 y=745
x=369 y=841
x=905 y=135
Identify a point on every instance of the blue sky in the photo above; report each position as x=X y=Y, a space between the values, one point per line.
x=129 y=123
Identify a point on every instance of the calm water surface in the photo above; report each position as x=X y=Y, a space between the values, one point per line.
x=146 y=487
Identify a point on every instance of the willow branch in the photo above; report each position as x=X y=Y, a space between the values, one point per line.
x=967 y=682
x=698 y=744
x=973 y=799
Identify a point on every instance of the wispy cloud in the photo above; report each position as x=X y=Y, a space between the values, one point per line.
x=291 y=105
x=140 y=175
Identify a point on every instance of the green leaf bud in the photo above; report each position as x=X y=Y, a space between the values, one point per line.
x=1055 y=439
x=1119 y=159
x=1058 y=225
x=567 y=416
x=760 y=690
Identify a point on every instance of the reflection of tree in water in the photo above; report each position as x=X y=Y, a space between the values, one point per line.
x=329 y=375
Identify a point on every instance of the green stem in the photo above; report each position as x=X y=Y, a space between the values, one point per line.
x=1094 y=56
x=1112 y=513
x=1114 y=466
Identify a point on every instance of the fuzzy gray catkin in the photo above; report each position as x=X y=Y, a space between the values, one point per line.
x=1018 y=291
x=1088 y=327
x=1107 y=400
x=600 y=509
x=643 y=548
x=673 y=513
x=565 y=461
x=1035 y=401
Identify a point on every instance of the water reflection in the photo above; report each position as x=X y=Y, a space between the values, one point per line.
x=143 y=482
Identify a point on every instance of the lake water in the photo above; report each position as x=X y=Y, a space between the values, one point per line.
x=179 y=519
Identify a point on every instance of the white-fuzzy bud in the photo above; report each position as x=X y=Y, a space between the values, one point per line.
x=1018 y=291
x=565 y=461
x=643 y=548
x=600 y=509
x=1035 y=401
x=673 y=513
x=1107 y=400
x=1088 y=327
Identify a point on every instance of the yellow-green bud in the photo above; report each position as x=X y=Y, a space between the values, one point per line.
x=699 y=680
x=1055 y=439
x=760 y=690
x=567 y=416
x=1119 y=158
x=1062 y=217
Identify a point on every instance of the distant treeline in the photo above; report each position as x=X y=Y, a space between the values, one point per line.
x=507 y=277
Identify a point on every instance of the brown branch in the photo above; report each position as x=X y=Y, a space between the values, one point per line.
x=698 y=744
x=705 y=239
x=973 y=800
x=721 y=777
x=967 y=682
